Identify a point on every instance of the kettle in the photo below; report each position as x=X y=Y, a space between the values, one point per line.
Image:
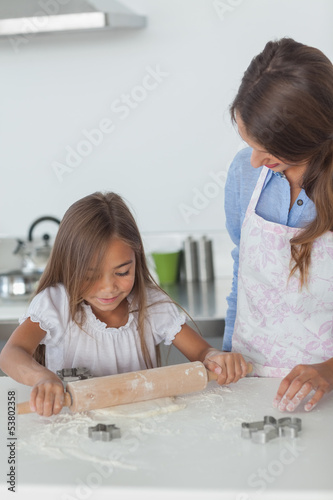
x=34 y=259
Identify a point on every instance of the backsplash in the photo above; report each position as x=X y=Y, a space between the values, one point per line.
x=221 y=243
x=164 y=241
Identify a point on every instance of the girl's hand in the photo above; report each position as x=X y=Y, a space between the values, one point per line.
x=300 y=382
x=229 y=366
x=47 y=396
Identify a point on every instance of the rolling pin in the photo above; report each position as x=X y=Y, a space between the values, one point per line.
x=132 y=387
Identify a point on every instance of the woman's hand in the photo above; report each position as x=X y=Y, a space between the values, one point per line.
x=229 y=366
x=47 y=396
x=300 y=382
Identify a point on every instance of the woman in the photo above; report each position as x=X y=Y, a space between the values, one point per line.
x=279 y=213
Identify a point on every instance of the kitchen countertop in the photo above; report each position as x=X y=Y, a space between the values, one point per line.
x=12 y=310
x=202 y=300
x=196 y=452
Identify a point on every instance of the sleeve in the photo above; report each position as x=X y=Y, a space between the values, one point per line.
x=233 y=215
x=165 y=318
x=241 y=181
x=50 y=308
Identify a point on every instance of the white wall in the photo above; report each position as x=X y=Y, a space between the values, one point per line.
x=53 y=87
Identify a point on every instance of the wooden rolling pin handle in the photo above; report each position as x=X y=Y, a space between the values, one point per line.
x=213 y=376
x=23 y=408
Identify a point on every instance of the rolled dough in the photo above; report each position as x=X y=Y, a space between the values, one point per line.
x=143 y=409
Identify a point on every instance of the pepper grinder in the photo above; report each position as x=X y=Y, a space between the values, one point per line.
x=205 y=258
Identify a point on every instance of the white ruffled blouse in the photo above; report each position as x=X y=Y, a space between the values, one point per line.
x=103 y=350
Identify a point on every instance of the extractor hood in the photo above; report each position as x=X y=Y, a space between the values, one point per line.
x=23 y=17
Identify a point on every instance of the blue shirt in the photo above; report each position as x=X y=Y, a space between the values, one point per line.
x=273 y=205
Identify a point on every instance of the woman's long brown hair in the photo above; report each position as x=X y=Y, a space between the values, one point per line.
x=82 y=239
x=286 y=103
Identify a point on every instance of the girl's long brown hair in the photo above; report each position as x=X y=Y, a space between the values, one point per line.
x=286 y=103
x=83 y=237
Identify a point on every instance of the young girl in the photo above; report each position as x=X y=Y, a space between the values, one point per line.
x=280 y=216
x=97 y=306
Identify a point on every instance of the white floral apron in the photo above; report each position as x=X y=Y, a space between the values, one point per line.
x=277 y=325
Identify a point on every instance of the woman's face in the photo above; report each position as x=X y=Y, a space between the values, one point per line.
x=260 y=156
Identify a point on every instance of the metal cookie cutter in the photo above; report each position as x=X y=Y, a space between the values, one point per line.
x=73 y=374
x=270 y=428
x=103 y=432
x=289 y=426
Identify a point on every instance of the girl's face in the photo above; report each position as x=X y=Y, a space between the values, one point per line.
x=115 y=281
x=260 y=156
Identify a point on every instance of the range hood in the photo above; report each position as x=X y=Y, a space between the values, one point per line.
x=23 y=17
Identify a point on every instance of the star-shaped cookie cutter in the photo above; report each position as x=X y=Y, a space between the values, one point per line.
x=104 y=432
x=271 y=428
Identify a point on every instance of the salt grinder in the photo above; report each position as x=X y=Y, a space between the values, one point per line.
x=205 y=259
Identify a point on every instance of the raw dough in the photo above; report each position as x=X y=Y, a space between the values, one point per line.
x=143 y=409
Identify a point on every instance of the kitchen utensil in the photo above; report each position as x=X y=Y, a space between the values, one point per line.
x=205 y=259
x=73 y=374
x=22 y=283
x=18 y=285
x=104 y=432
x=34 y=258
x=270 y=428
x=191 y=259
x=167 y=266
x=114 y=390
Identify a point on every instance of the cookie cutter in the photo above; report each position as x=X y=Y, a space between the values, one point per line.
x=270 y=428
x=104 y=432
x=73 y=374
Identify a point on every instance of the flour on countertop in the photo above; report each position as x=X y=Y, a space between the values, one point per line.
x=144 y=409
x=66 y=434
x=147 y=427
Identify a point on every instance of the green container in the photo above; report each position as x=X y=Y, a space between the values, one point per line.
x=167 y=266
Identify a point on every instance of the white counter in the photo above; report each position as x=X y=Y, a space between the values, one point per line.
x=196 y=452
